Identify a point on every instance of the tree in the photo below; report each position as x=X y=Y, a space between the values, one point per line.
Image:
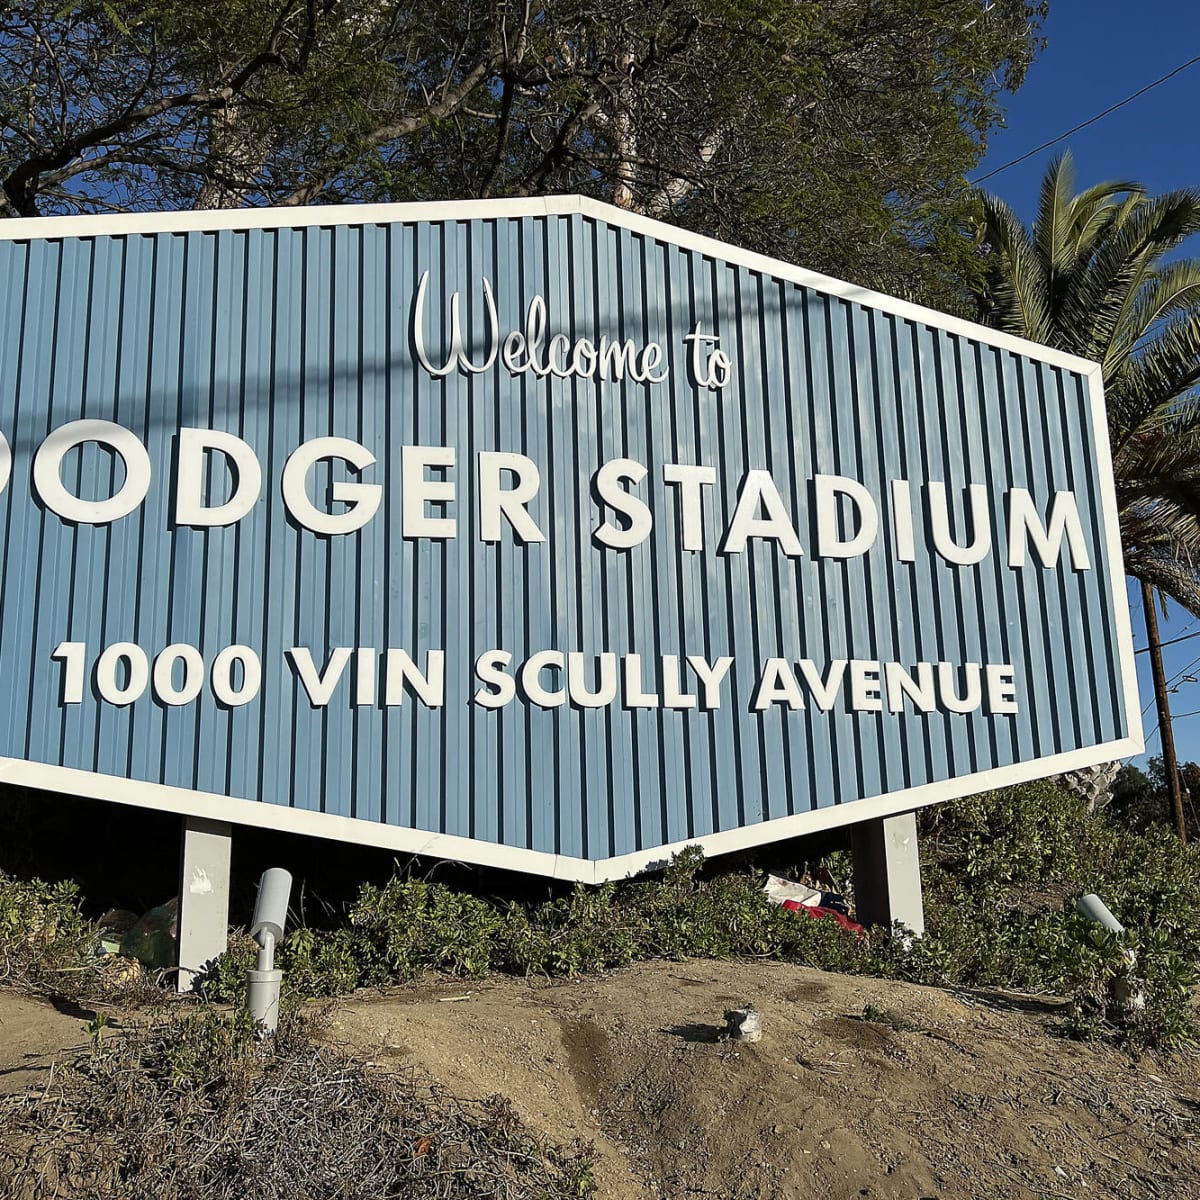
x=1136 y=799
x=1094 y=277
x=1141 y=800
x=836 y=133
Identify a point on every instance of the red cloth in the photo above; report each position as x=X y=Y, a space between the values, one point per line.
x=814 y=910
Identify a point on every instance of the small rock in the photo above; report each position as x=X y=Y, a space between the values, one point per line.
x=744 y=1024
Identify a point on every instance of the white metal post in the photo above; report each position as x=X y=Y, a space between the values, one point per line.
x=887 y=872
x=203 y=896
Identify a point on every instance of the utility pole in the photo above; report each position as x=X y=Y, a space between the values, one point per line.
x=1164 y=711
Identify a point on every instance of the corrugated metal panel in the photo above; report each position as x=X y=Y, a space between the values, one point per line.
x=282 y=335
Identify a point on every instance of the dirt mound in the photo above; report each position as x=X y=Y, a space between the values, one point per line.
x=859 y=1087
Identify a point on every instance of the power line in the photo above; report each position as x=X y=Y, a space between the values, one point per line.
x=1191 y=62
x=1173 y=680
x=1182 y=673
x=1174 y=641
x=1174 y=717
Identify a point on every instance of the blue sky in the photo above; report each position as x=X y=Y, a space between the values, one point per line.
x=1099 y=52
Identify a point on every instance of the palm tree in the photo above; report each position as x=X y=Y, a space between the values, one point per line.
x=1092 y=277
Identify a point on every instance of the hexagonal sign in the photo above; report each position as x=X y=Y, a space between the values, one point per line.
x=534 y=534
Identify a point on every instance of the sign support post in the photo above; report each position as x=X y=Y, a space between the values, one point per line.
x=887 y=872
x=203 y=896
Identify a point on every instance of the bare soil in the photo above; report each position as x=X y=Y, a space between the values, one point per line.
x=858 y=1088
x=33 y=1035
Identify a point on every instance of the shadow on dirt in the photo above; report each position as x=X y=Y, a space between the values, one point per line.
x=697 y=1032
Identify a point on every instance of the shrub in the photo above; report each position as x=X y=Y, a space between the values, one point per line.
x=1000 y=896
x=1002 y=872
x=47 y=945
x=410 y=926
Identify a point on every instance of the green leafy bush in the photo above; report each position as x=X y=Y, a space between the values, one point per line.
x=44 y=940
x=1000 y=906
x=1001 y=871
x=48 y=946
x=409 y=926
x=1034 y=833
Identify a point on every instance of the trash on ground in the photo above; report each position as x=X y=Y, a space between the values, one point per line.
x=799 y=897
x=114 y=926
x=743 y=1024
x=152 y=939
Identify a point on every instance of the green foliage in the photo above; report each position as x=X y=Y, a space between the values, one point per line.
x=327 y=964
x=1002 y=872
x=225 y=979
x=316 y=963
x=1140 y=799
x=1009 y=866
x=838 y=135
x=95 y=1029
x=44 y=939
x=204 y=1046
x=1036 y=832
x=585 y=931
x=409 y=926
x=1137 y=986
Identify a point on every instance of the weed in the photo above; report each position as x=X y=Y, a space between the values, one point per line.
x=95 y=1029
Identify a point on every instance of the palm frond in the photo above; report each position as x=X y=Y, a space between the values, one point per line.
x=1170 y=291
x=1051 y=238
x=1156 y=384
x=1170 y=572
x=1099 y=308
x=1095 y=207
x=1020 y=295
x=1091 y=279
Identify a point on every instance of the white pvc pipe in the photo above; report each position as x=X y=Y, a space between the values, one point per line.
x=1092 y=907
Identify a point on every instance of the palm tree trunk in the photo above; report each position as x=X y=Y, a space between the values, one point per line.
x=1170 y=767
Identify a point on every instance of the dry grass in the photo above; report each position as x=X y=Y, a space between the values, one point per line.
x=191 y=1105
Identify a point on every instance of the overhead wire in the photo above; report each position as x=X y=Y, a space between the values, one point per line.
x=1185 y=638
x=1167 y=684
x=1183 y=671
x=1112 y=108
x=1174 y=717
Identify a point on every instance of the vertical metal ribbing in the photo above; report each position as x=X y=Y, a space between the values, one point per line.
x=282 y=335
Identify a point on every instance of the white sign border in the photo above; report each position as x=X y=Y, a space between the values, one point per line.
x=263 y=815
x=447 y=846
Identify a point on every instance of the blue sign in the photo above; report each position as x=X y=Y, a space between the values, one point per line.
x=534 y=533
